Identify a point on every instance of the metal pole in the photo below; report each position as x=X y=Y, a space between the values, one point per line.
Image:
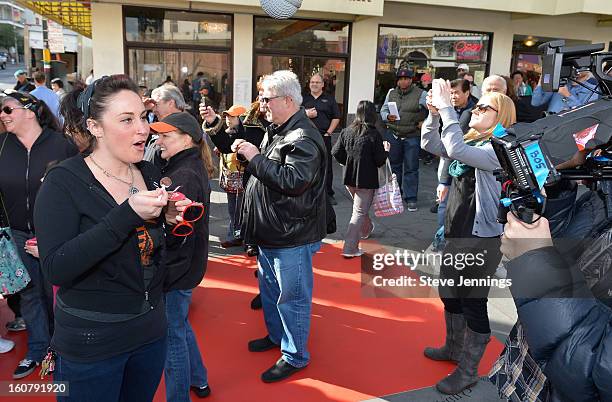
x=46 y=52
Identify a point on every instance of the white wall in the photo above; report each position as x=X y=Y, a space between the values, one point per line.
x=243 y=59
x=363 y=62
x=107 y=39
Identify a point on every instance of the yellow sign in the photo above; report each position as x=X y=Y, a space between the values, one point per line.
x=46 y=56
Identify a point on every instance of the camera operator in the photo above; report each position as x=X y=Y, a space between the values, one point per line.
x=560 y=347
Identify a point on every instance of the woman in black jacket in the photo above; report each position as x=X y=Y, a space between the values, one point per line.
x=31 y=143
x=360 y=149
x=102 y=238
x=186 y=154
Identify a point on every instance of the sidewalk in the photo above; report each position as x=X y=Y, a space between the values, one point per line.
x=412 y=231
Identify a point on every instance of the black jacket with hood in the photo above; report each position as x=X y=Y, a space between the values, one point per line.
x=91 y=248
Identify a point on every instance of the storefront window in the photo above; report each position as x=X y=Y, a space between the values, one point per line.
x=435 y=52
x=154 y=25
x=183 y=48
x=305 y=47
x=301 y=35
x=151 y=67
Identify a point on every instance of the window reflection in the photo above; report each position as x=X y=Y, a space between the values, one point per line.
x=164 y=26
x=302 y=35
x=430 y=51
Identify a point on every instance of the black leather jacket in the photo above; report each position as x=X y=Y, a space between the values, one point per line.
x=284 y=200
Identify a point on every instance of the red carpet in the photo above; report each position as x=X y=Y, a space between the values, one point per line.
x=361 y=347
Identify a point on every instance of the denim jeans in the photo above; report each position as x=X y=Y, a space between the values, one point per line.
x=404 y=158
x=285 y=283
x=36 y=302
x=234 y=210
x=360 y=224
x=184 y=367
x=131 y=377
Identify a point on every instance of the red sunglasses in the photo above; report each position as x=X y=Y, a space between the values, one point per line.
x=192 y=213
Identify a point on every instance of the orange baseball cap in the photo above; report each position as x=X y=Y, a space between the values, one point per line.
x=234 y=111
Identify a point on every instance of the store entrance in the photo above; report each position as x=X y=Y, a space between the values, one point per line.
x=333 y=70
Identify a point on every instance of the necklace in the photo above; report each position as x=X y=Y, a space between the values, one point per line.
x=131 y=188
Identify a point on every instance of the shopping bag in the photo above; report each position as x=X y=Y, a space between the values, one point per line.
x=388 y=197
x=13 y=274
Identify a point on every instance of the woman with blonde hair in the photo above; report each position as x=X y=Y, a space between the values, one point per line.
x=470 y=226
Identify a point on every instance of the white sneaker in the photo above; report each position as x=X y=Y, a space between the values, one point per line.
x=369 y=234
x=6 y=345
x=358 y=253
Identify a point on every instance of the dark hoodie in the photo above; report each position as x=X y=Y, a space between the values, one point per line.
x=106 y=261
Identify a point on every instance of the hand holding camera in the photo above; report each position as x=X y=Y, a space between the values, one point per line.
x=440 y=92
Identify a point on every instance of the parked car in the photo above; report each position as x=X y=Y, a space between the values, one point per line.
x=3 y=60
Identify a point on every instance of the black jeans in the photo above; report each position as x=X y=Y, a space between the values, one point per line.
x=330 y=172
x=470 y=301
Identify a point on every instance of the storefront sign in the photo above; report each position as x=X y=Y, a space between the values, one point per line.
x=55 y=35
x=466 y=50
x=361 y=7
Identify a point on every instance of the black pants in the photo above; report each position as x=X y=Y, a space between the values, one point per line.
x=14 y=303
x=470 y=301
x=330 y=172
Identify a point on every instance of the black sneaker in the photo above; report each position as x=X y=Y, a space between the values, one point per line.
x=279 y=371
x=201 y=392
x=261 y=345
x=18 y=324
x=25 y=368
x=256 y=302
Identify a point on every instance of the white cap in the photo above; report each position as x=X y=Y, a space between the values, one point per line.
x=463 y=66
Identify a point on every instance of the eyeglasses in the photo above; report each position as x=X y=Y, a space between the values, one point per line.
x=268 y=99
x=192 y=213
x=9 y=110
x=483 y=108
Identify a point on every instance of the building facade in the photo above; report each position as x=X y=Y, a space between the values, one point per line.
x=357 y=44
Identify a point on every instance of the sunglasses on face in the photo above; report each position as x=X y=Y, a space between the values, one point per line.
x=9 y=110
x=268 y=99
x=483 y=108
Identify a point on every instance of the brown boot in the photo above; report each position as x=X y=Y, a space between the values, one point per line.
x=455 y=334
x=466 y=373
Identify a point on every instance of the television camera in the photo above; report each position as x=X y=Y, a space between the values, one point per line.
x=529 y=153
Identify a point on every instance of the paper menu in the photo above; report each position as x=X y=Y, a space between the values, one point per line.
x=393 y=110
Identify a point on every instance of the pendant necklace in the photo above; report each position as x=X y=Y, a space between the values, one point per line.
x=131 y=188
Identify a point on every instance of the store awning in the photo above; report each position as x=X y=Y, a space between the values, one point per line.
x=74 y=15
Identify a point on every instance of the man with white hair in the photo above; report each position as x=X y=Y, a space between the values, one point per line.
x=165 y=100
x=284 y=213
x=494 y=83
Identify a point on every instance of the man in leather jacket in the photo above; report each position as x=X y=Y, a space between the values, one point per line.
x=284 y=213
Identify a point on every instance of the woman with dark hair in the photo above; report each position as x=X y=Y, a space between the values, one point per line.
x=361 y=150
x=181 y=142
x=102 y=239
x=31 y=143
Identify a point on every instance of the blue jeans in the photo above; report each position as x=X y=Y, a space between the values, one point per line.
x=131 y=377
x=234 y=210
x=404 y=158
x=184 y=367
x=285 y=283
x=442 y=211
x=36 y=302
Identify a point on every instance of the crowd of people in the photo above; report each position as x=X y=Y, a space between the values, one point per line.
x=112 y=224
